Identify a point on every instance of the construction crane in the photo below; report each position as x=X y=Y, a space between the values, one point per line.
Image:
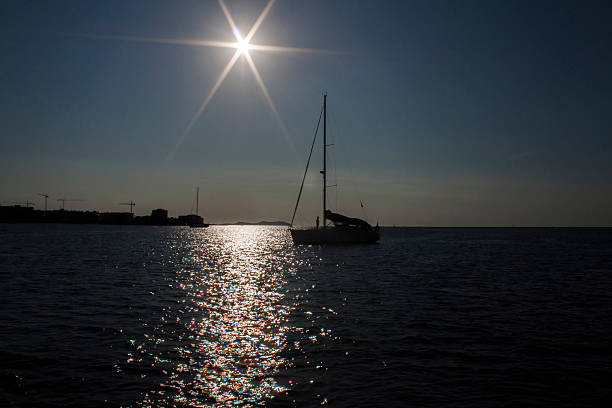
x=63 y=200
x=46 y=196
x=131 y=204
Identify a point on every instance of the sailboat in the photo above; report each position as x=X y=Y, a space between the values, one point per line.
x=194 y=220
x=343 y=229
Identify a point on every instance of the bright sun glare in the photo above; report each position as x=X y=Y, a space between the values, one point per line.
x=243 y=46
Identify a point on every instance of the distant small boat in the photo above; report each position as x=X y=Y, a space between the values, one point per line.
x=194 y=220
x=345 y=230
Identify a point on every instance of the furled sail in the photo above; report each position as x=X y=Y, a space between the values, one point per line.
x=344 y=221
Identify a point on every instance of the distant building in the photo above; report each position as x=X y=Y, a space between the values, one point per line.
x=16 y=213
x=160 y=215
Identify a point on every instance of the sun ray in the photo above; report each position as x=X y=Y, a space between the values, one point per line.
x=264 y=89
x=229 y=18
x=219 y=44
x=259 y=20
x=276 y=48
x=208 y=98
x=207 y=43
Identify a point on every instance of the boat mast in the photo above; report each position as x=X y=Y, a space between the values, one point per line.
x=197 y=200
x=324 y=157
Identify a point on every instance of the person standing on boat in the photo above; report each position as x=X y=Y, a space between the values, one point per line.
x=317 y=222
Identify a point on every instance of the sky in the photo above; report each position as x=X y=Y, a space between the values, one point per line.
x=441 y=113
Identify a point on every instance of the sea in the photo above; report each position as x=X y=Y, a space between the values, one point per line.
x=139 y=316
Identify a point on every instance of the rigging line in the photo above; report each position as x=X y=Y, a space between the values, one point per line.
x=331 y=121
x=193 y=203
x=306 y=170
x=335 y=162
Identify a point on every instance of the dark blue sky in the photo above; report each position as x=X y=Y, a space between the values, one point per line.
x=442 y=113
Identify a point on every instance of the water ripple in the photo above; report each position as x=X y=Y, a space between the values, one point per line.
x=237 y=316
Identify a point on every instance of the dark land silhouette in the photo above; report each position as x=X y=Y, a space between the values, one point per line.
x=18 y=214
x=26 y=214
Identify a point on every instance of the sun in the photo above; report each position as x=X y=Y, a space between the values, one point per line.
x=243 y=46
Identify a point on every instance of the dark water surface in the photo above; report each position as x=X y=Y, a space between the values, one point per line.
x=146 y=316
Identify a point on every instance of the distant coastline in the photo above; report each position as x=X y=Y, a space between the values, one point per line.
x=256 y=223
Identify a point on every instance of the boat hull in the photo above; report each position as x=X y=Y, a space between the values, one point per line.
x=334 y=236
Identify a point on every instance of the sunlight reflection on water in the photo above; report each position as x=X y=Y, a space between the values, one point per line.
x=232 y=282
